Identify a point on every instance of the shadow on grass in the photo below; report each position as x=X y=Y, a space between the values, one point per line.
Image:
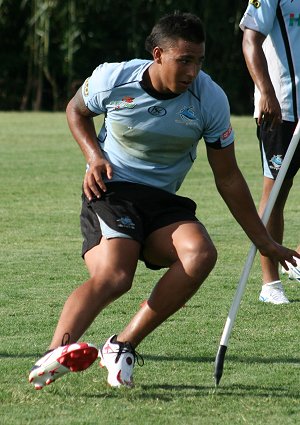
x=187 y=359
x=19 y=356
x=227 y=390
x=234 y=359
x=168 y=393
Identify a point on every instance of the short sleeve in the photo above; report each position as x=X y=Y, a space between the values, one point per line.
x=98 y=86
x=259 y=16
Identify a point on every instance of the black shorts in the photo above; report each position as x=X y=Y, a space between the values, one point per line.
x=273 y=146
x=132 y=211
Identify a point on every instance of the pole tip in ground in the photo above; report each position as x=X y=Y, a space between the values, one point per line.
x=219 y=364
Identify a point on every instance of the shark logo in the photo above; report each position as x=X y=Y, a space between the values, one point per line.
x=187 y=115
x=125 y=222
x=276 y=162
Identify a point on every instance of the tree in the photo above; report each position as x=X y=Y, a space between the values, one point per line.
x=60 y=43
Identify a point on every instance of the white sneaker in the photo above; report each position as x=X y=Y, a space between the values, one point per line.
x=273 y=293
x=293 y=272
x=58 y=362
x=119 y=358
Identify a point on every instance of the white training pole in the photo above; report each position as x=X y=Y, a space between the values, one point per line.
x=249 y=261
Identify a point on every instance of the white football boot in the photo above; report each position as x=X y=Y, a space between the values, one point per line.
x=56 y=363
x=273 y=293
x=119 y=359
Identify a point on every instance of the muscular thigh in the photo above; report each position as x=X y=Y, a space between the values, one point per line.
x=113 y=256
x=166 y=245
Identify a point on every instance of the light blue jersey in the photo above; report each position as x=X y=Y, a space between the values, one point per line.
x=280 y=19
x=154 y=141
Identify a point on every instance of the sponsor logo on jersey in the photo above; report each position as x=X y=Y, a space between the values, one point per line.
x=294 y=20
x=187 y=116
x=255 y=3
x=86 y=87
x=226 y=133
x=126 y=102
x=276 y=162
x=157 y=111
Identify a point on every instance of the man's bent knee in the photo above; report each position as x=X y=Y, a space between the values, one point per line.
x=115 y=284
x=199 y=263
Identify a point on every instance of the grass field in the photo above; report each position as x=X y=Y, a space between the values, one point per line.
x=40 y=180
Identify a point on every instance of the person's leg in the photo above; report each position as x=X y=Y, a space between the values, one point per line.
x=275 y=224
x=111 y=275
x=188 y=252
x=273 y=145
x=272 y=290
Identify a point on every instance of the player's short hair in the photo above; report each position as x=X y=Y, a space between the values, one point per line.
x=171 y=27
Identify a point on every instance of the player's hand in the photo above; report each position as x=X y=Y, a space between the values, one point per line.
x=281 y=254
x=269 y=111
x=93 y=182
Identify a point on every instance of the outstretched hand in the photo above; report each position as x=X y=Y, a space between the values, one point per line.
x=281 y=254
x=93 y=182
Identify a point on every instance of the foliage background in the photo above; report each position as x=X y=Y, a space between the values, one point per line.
x=49 y=47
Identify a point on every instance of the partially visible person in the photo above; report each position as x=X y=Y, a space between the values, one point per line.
x=271 y=42
x=156 y=111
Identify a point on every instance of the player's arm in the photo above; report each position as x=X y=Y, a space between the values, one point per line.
x=80 y=120
x=256 y=62
x=235 y=192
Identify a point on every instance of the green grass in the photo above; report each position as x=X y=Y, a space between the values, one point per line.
x=40 y=181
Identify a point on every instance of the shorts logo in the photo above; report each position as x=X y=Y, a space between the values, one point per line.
x=157 y=111
x=276 y=162
x=255 y=3
x=227 y=133
x=188 y=116
x=126 y=102
x=125 y=222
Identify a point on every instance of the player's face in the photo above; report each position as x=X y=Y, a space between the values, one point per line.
x=179 y=65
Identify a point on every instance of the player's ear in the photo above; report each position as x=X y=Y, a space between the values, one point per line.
x=157 y=52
